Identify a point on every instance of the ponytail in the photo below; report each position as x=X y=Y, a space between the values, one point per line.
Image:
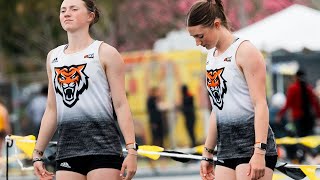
x=91 y=6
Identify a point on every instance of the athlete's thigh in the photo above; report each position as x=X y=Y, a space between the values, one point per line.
x=243 y=169
x=102 y=173
x=222 y=172
x=69 y=175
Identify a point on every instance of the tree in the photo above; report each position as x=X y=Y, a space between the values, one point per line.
x=29 y=29
x=244 y=12
x=140 y=23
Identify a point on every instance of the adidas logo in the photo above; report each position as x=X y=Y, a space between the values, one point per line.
x=227 y=59
x=65 y=164
x=54 y=60
x=89 y=56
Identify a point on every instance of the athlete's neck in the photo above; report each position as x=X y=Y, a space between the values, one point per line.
x=225 y=40
x=78 y=41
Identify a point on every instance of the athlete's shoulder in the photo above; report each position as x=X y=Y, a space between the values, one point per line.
x=106 y=49
x=109 y=54
x=56 y=49
x=247 y=48
x=59 y=48
x=49 y=55
x=247 y=51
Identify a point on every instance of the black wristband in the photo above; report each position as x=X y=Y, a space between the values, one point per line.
x=207 y=159
x=36 y=159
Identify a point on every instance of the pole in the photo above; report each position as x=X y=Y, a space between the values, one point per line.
x=7 y=160
x=9 y=143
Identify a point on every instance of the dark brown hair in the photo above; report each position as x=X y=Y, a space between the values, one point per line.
x=204 y=12
x=91 y=6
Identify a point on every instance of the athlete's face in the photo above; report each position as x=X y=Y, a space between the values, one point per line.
x=204 y=36
x=75 y=15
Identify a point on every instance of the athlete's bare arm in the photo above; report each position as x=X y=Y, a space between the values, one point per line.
x=47 y=128
x=115 y=71
x=252 y=64
x=211 y=140
x=49 y=119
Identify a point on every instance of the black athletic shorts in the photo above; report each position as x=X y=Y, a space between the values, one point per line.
x=85 y=164
x=271 y=162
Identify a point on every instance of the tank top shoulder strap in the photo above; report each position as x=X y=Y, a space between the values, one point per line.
x=58 y=50
x=234 y=51
x=237 y=43
x=95 y=46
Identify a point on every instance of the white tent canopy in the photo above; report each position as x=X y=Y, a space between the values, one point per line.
x=176 y=40
x=292 y=29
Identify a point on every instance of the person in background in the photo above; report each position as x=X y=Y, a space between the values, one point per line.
x=5 y=127
x=155 y=117
x=236 y=82
x=304 y=107
x=303 y=104
x=86 y=86
x=187 y=108
x=36 y=108
x=277 y=102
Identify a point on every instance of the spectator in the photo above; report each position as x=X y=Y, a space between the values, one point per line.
x=303 y=104
x=155 y=117
x=188 y=112
x=277 y=102
x=5 y=127
x=36 y=108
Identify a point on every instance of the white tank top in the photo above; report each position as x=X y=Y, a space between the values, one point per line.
x=226 y=84
x=231 y=102
x=85 y=114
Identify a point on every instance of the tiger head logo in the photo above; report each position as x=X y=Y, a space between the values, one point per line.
x=70 y=82
x=216 y=86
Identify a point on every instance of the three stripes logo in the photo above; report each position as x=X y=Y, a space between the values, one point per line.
x=54 y=60
x=65 y=164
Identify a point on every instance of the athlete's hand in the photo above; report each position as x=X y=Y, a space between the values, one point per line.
x=206 y=170
x=257 y=166
x=41 y=172
x=129 y=165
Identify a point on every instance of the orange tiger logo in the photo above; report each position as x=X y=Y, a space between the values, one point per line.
x=216 y=86
x=70 y=82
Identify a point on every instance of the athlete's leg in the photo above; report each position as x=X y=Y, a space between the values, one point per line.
x=69 y=175
x=102 y=173
x=243 y=169
x=222 y=172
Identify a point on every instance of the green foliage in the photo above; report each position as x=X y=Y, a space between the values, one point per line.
x=29 y=30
